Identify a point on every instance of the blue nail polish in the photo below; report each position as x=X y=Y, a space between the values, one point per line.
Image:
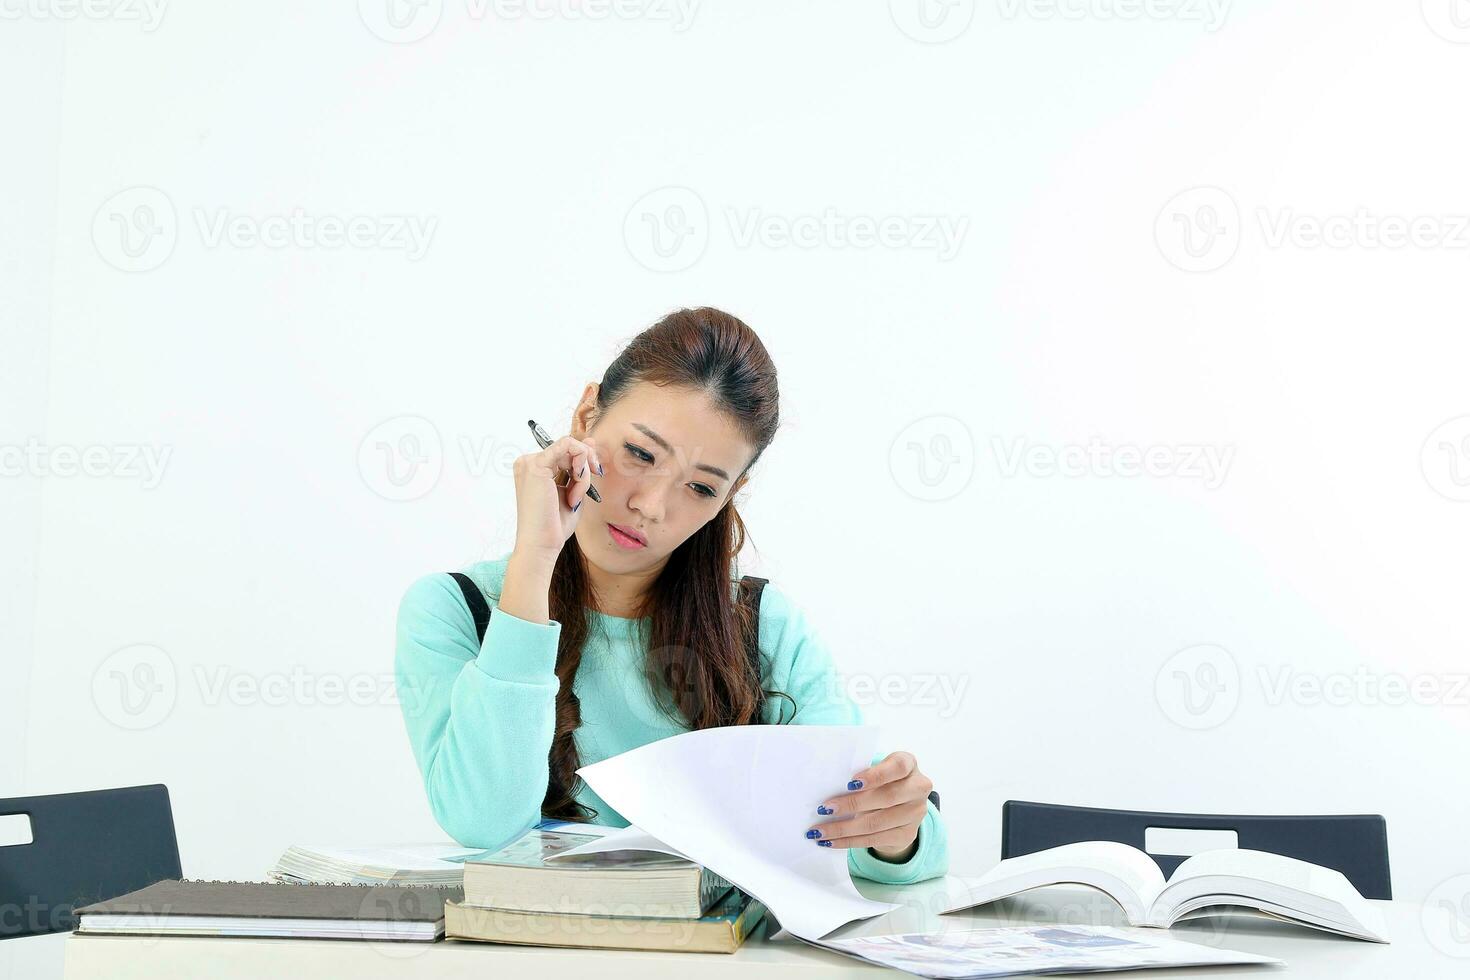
x=825 y=811
x=579 y=504
x=599 y=469
x=824 y=843
x=855 y=784
x=813 y=834
x=584 y=471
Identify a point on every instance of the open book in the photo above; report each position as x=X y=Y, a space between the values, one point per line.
x=388 y=864
x=1227 y=881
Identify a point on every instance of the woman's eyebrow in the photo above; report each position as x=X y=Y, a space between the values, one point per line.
x=668 y=448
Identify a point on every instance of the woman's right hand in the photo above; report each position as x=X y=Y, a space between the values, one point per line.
x=546 y=514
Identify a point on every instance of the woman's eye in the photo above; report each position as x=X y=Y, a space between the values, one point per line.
x=646 y=457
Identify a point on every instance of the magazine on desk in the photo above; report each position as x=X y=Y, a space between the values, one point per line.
x=965 y=954
x=1225 y=881
x=440 y=863
x=386 y=864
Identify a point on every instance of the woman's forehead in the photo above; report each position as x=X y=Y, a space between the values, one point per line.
x=682 y=420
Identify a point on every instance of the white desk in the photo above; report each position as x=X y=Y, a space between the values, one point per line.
x=1307 y=953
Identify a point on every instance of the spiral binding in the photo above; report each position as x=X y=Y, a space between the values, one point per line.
x=319 y=884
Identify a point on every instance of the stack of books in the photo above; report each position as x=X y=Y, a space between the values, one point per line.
x=611 y=900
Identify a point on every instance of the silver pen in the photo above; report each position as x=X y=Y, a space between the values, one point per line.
x=543 y=440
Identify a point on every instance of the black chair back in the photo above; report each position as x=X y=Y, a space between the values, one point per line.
x=1356 y=845
x=85 y=847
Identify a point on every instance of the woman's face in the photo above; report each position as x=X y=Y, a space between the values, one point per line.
x=670 y=460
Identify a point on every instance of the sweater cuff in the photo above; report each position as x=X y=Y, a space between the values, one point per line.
x=518 y=650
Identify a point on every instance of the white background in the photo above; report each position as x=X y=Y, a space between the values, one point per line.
x=1135 y=190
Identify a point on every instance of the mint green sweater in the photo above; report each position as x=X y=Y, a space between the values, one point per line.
x=480 y=718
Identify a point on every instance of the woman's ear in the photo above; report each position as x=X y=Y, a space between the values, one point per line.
x=737 y=486
x=585 y=414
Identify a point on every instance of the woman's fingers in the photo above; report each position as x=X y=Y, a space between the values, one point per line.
x=890 y=827
x=883 y=808
x=912 y=786
x=891 y=768
x=578 y=459
x=574 y=459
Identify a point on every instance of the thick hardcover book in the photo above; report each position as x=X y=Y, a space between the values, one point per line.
x=622 y=883
x=255 y=908
x=722 y=930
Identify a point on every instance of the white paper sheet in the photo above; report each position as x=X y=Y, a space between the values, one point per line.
x=739 y=800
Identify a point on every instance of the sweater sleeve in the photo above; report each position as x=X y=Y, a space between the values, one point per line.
x=480 y=718
x=802 y=667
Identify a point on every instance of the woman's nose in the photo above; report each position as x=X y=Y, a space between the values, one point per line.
x=648 y=502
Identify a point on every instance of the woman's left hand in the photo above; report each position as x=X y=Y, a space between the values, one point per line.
x=887 y=802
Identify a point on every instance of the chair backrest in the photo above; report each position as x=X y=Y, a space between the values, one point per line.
x=1356 y=844
x=85 y=847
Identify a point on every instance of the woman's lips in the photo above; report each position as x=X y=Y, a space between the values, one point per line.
x=623 y=540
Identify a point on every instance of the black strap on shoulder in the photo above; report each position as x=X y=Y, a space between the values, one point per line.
x=751 y=588
x=475 y=599
x=750 y=595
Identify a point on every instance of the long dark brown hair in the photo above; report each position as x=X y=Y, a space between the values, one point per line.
x=696 y=633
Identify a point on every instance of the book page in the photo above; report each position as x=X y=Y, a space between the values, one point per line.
x=738 y=800
x=382 y=864
x=1276 y=913
x=1125 y=873
x=1260 y=908
x=630 y=838
x=1264 y=866
x=539 y=848
x=394 y=857
x=1271 y=882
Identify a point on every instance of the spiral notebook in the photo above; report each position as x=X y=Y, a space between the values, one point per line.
x=186 y=907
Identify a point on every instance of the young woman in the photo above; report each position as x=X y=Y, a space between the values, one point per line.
x=621 y=626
